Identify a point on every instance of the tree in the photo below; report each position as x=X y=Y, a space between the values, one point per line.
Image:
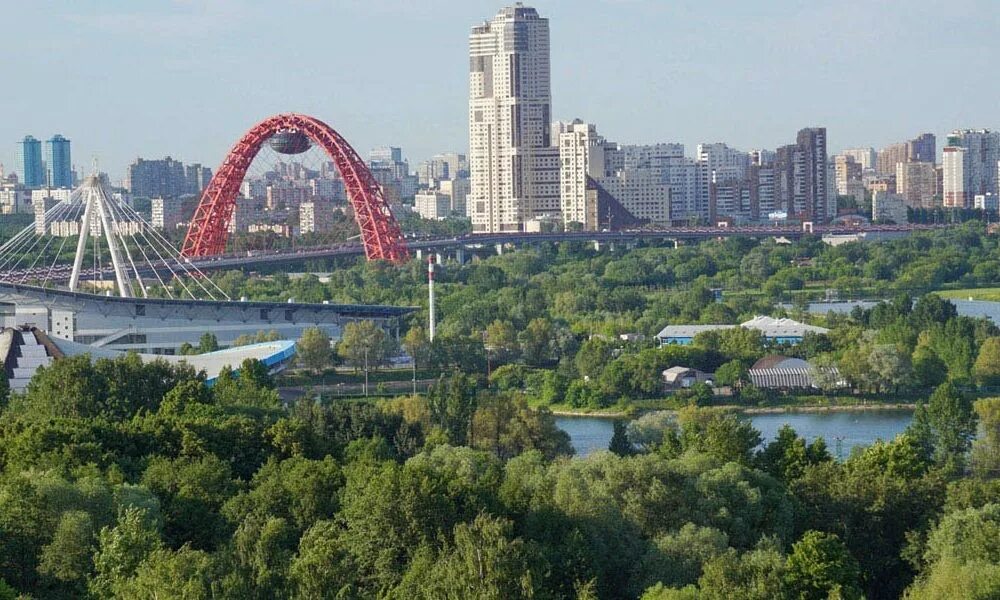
x=962 y=557
x=501 y=341
x=820 y=566
x=184 y=573
x=69 y=387
x=255 y=372
x=677 y=558
x=485 y=561
x=987 y=366
x=824 y=373
x=890 y=366
x=947 y=423
x=314 y=350
x=364 y=344
x=929 y=371
x=67 y=558
x=735 y=343
x=986 y=447
x=121 y=549
x=754 y=575
x=592 y=357
x=507 y=427
x=787 y=456
x=536 y=341
x=193 y=491
x=619 y=440
x=733 y=373
x=653 y=430
x=323 y=569
x=718 y=432
x=417 y=345
x=452 y=403
x=207 y=343
x=930 y=309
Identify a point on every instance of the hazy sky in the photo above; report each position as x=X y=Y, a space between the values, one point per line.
x=124 y=78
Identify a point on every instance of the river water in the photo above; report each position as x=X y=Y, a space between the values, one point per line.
x=842 y=430
x=966 y=308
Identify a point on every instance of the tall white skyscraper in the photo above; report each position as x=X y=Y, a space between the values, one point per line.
x=513 y=166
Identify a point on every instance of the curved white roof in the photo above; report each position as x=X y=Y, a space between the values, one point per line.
x=212 y=363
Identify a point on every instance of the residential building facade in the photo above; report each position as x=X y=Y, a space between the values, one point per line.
x=514 y=170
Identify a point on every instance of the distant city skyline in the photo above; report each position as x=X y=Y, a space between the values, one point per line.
x=195 y=76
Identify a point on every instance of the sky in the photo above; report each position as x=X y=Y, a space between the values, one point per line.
x=186 y=78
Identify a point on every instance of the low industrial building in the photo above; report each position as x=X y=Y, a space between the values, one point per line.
x=779 y=331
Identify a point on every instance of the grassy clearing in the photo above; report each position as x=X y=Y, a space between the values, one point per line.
x=991 y=294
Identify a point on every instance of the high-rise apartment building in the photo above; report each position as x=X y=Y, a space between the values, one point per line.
x=597 y=172
x=28 y=162
x=164 y=178
x=14 y=196
x=979 y=173
x=923 y=148
x=890 y=156
x=513 y=167
x=458 y=191
x=916 y=182
x=679 y=172
x=717 y=163
x=169 y=213
x=58 y=164
x=316 y=216
x=801 y=178
x=432 y=204
x=198 y=178
x=385 y=154
x=865 y=157
x=846 y=170
x=957 y=188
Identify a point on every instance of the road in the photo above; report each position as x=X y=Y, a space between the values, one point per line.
x=440 y=244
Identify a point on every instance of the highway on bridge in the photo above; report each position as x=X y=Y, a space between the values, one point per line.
x=441 y=244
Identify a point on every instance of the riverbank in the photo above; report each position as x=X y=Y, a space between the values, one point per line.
x=749 y=410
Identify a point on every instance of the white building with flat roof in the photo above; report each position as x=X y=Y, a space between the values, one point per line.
x=432 y=204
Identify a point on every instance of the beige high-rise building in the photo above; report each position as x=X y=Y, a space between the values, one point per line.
x=916 y=182
x=458 y=191
x=514 y=169
x=863 y=156
x=846 y=169
x=890 y=156
x=595 y=171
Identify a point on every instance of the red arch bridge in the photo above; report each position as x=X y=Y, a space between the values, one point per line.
x=209 y=229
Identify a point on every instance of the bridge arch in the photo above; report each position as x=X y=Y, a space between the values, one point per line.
x=209 y=229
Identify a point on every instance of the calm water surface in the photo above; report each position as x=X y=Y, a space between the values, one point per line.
x=841 y=430
x=966 y=308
